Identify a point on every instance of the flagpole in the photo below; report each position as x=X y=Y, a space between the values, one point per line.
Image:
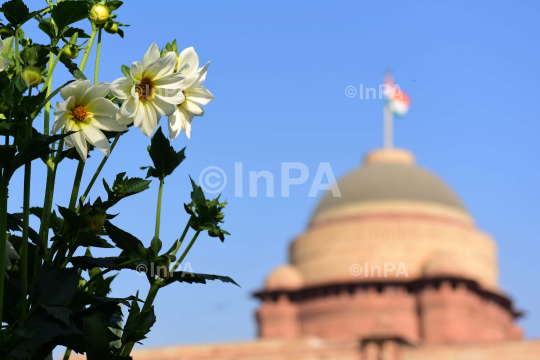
x=388 y=137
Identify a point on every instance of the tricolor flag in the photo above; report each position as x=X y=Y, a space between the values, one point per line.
x=396 y=100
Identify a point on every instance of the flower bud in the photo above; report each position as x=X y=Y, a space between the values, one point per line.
x=95 y=219
x=6 y=31
x=111 y=27
x=70 y=51
x=31 y=76
x=4 y=107
x=99 y=14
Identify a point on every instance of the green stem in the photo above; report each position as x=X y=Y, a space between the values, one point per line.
x=76 y=185
x=158 y=211
x=67 y=354
x=98 y=51
x=179 y=243
x=26 y=217
x=52 y=165
x=48 y=85
x=16 y=44
x=3 y=229
x=98 y=171
x=147 y=306
x=87 y=51
x=179 y=261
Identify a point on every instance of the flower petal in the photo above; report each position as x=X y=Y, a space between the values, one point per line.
x=163 y=107
x=188 y=61
x=128 y=108
x=99 y=90
x=108 y=123
x=136 y=70
x=60 y=122
x=121 y=88
x=194 y=108
x=161 y=67
x=123 y=120
x=102 y=106
x=171 y=96
x=4 y=63
x=152 y=54
x=80 y=90
x=172 y=81
x=1 y=45
x=79 y=141
x=181 y=119
x=151 y=118
x=202 y=74
x=196 y=80
x=199 y=95
x=65 y=106
x=96 y=138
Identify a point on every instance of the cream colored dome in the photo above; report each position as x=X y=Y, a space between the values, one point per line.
x=284 y=277
x=392 y=211
x=390 y=174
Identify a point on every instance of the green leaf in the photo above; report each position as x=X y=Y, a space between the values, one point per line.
x=122 y=239
x=195 y=278
x=54 y=287
x=69 y=12
x=88 y=262
x=70 y=31
x=163 y=155
x=61 y=313
x=114 y=5
x=35 y=147
x=15 y=11
x=70 y=65
x=126 y=71
x=138 y=324
x=90 y=239
x=96 y=330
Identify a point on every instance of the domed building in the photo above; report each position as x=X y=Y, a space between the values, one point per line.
x=394 y=269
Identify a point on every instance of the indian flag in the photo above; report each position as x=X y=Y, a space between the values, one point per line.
x=396 y=100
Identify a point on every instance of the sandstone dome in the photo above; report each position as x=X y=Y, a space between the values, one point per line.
x=284 y=277
x=392 y=211
x=391 y=175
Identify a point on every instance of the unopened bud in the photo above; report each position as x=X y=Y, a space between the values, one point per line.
x=99 y=14
x=95 y=219
x=31 y=76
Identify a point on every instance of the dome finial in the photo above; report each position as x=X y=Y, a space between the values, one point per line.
x=392 y=156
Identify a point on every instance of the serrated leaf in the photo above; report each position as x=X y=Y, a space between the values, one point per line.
x=15 y=11
x=61 y=313
x=138 y=324
x=90 y=239
x=69 y=12
x=88 y=262
x=163 y=155
x=195 y=278
x=122 y=239
x=54 y=287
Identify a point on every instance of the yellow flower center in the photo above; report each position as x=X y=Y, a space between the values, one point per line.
x=79 y=113
x=146 y=89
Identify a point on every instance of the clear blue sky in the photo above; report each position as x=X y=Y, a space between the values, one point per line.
x=279 y=72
